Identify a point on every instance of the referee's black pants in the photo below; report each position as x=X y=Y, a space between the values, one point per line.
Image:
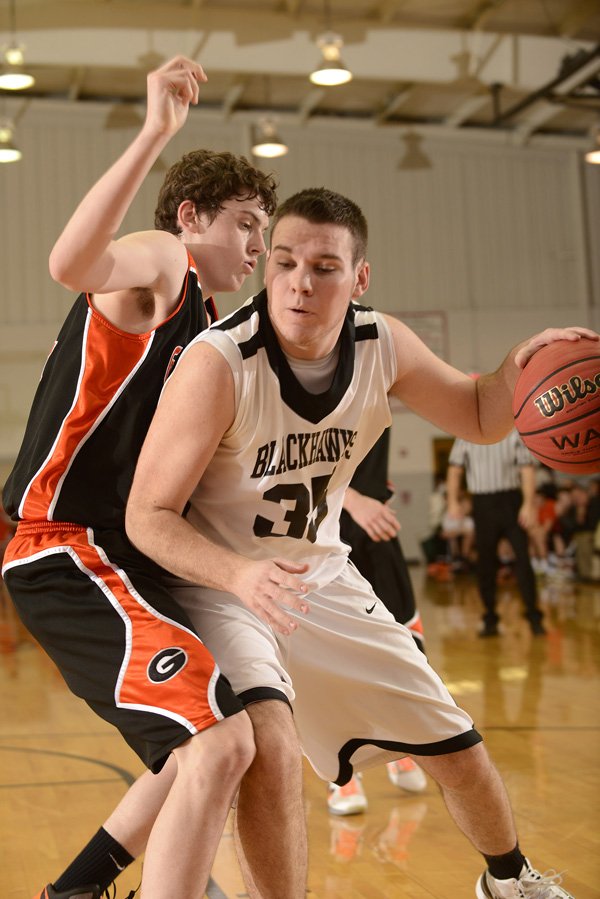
x=496 y=515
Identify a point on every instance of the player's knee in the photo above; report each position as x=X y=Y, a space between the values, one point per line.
x=238 y=748
x=277 y=743
x=222 y=752
x=460 y=770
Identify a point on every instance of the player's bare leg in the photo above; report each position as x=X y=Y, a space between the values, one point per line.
x=132 y=820
x=270 y=817
x=186 y=834
x=476 y=798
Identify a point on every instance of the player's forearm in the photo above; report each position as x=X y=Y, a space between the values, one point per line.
x=351 y=499
x=494 y=400
x=79 y=260
x=167 y=538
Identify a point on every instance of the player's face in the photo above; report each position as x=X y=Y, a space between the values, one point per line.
x=227 y=249
x=311 y=277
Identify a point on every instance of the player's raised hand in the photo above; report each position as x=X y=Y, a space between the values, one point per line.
x=172 y=88
x=270 y=588
x=550 y=335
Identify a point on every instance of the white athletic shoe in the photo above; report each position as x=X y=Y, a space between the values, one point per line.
x=406 y=774
x=349 y=799
x=530 y=885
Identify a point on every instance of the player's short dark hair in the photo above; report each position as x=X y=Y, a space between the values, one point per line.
x=208 y=179
x=323 y=207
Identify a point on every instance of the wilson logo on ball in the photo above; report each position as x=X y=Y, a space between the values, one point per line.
x=556 y=406
x=553 y=400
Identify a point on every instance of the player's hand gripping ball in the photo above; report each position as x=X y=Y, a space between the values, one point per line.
x=556 y=406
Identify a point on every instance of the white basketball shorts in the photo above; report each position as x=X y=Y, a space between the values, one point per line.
x=361 y=691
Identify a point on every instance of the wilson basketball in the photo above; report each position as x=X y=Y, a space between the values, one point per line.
x=556 y=406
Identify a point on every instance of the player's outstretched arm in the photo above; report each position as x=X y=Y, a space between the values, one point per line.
x=188 y=425
x=479 y=411
x=86 y=256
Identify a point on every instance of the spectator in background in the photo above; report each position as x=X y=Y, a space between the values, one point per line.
x=435 y=546
x=541 y=529
x=501 y=480
x=578 y=524
x=560 y=534
x=460 y=535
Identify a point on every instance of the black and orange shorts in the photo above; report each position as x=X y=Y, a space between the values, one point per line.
x=101 y=611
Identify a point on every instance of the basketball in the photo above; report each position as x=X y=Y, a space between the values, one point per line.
x=556 y=406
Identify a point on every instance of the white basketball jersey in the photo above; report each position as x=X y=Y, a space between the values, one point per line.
x=276 y=483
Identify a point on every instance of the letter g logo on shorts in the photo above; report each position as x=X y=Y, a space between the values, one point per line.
x=166 y=664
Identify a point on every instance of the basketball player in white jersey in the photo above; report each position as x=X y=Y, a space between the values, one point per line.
x=246 y=501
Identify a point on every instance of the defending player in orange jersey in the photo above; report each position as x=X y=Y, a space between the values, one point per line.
x=98 y=606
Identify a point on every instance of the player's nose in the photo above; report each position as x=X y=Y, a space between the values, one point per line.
x=258 y=245
x=302 y=281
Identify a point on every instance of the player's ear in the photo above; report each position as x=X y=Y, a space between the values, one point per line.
x=363 y=274
x=188 y=218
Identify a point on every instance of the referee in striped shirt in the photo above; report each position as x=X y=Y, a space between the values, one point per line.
x=501 y=480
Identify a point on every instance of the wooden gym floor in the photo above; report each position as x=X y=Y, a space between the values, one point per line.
x=536 y=700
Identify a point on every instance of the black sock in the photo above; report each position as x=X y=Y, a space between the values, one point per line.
x=503 y=867
x=100 y=862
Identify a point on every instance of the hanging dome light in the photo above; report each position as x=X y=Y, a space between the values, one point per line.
x=331 y=70
x=414 y=157
x=12 y=75
x=9 y=152
x=593 y=154
x=266 y=141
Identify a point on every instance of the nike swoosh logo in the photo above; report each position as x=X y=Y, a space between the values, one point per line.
x=368 y=611
x=117 y=865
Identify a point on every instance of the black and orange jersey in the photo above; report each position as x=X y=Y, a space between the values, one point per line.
x=91 y=411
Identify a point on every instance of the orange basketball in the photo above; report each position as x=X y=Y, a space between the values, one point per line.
x=556 y=406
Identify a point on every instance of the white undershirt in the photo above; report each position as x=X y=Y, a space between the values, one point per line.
x=315 y=375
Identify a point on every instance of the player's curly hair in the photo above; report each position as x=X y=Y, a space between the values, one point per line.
x=208 y=179
x=323 y=207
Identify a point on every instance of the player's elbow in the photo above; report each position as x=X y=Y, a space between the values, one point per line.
x=135 y=517
x=64 y=272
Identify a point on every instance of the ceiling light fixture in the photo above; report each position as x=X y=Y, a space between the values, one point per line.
x=593 y=154
x=266 y=142
x=8 y=151
x=331 y=70
x=12 y=76
x=414 y=157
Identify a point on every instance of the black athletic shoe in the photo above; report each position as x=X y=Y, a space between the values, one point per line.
x=91 y=891
x=537 y=628
x=489 y=630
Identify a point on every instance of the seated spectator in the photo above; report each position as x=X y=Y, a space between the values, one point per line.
x=460 y=535
x=573 y=534
x=540 y=531
x=435 y=546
